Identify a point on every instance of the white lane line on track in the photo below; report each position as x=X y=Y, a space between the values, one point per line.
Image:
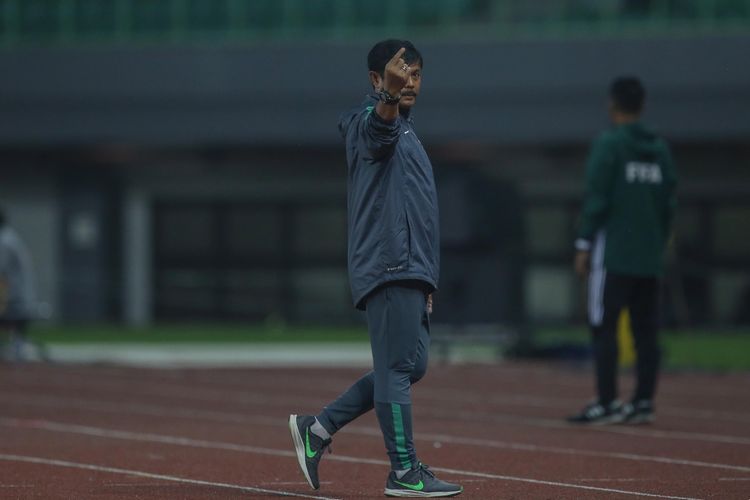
x=681 y=435
x=134 y=485
x=182 y=391
x=490 y=443
x=562 y=485
x=210 y=392
x=296 y=483
x=564 y=377
x=199 y=443
x=545 y=375
x=569 y=404
x=549 y=423
x=614 y=479
x=465 y=416
x=227 y=417
x=137 y=473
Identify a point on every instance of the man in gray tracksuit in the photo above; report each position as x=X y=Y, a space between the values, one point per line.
x=394 y=261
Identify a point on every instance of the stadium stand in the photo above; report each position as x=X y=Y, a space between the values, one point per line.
x=40 y=22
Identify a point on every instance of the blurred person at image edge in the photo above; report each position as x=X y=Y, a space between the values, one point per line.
x=17 y=295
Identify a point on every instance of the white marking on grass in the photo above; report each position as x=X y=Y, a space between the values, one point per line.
x=183 y=441
x=228 y=417
x=242 y=354
x=137 y=473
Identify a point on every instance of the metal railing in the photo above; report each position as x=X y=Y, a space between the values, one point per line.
x=127 y=22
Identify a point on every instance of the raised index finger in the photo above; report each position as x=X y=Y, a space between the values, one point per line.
x=394 y=59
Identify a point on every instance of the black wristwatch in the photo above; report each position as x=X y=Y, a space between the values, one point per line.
x=386 y=98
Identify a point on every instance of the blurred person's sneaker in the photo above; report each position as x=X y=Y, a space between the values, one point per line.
x=598 y=414
x=419 y=482
x=638 y=412
x=308 y=446
x=42 y=353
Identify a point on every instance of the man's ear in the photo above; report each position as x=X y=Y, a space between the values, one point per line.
x=376 y=80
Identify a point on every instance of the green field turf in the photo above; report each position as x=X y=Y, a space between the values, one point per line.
x=683 y=349
x=689 y=349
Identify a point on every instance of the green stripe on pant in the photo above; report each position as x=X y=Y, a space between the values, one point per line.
x=398 y=426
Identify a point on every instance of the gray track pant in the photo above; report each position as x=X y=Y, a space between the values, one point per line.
x=400 y=340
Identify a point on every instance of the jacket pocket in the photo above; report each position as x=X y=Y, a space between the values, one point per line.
x=397 y=246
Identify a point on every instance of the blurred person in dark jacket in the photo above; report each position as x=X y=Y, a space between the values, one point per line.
x=625 y=225
x=393 y=261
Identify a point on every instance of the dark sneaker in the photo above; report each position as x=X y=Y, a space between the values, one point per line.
x=309 y=447
x=638 y=412
x=598 y=414
x=420 y=482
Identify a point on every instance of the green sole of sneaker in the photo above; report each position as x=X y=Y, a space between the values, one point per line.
x=299 y=448
x=420 y=494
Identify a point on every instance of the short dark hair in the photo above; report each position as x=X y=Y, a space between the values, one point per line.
x=383 y=51
x=628 y=94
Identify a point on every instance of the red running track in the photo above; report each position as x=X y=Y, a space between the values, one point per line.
x=108 y=432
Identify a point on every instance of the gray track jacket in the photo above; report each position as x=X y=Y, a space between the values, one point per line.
x=17 y=301
x=392 y=203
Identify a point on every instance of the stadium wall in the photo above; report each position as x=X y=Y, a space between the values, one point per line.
x=513 y=92
x=153 y=130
